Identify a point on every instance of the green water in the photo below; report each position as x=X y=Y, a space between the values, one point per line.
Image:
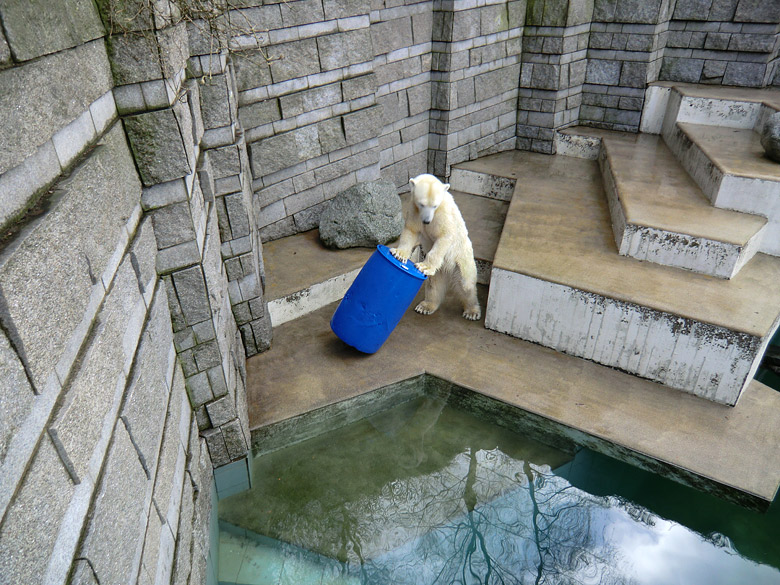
x=427 y=493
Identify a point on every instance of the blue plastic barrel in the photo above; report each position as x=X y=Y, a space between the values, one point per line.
x=376 y=301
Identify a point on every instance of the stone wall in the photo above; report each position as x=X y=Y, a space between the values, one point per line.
x=333 y=92
x=120 y=352
x=636 y=42
x=730 y=42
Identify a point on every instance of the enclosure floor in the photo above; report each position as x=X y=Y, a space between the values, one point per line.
x=308 y=367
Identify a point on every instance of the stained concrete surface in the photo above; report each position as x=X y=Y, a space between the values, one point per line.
x=558 y=229
x=734 y=151
x=656 y=191
x=308 y=367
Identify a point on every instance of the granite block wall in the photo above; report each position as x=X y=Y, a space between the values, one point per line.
x=338 y=92
x=729 y=42
x=553 y=73
x=106 y=457
x=474 y=80
x=625 y=52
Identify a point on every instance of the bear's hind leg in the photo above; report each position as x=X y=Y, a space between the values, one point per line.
x=467 y=290
x=435 y=287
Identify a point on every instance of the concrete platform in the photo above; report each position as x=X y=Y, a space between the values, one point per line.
x=558 y=228
x=659 y=214
x=302 y=275
x=558 y=280
x=733 y=451
x=730 y=167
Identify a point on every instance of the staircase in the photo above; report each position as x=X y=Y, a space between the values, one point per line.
x=659 y=257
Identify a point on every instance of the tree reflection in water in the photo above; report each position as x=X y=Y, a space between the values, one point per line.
x=424 y=496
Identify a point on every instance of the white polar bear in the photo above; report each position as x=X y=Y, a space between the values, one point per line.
x=433 y=220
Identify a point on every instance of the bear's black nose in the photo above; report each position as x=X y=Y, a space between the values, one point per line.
x=426 y=221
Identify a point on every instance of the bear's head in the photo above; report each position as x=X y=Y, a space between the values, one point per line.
x=428 y=192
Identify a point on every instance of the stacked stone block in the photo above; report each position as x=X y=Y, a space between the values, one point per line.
x=225 y=167
x=308 y=108
x=476 y=70
x=172 y=139
x=401 y=37
x=553 y=71
x=102 y=467
x=731 y=42
x=624 y=54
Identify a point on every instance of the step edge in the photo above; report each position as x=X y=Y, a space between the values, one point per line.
x=754 y=332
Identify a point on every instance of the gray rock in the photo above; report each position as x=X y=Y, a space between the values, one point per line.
x=770 y=137
x=364 y=215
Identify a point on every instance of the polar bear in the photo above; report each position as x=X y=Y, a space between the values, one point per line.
x=433 y=220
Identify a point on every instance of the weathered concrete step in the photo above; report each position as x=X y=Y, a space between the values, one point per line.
x=732 y=107
x=302 y=275
x=729 y=166
x=490 y=176
x=660 y=215
x=557 y=281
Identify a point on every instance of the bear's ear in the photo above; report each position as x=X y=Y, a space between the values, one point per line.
x=412 y=181
x=446 y=186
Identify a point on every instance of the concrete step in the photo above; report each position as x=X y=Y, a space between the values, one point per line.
x=660 y=215
x=558 y=281
x=730 y=107
x=302 y=275
x=489 y=176
x=731 y=169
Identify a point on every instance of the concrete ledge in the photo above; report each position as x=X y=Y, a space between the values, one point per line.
x=660 y=215
x=483 y=184
x=705 y=360
x=696 y=441
x=731 y=170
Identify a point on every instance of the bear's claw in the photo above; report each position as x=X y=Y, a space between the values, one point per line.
x=425 y=269
x=399 y=255
x=472 y=314
x=425 y=308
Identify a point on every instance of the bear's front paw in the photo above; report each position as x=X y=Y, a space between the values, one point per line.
x=426 y=308
x=402 y=255
x=426 y=268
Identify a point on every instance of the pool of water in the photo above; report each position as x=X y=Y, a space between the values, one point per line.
x=429 y=493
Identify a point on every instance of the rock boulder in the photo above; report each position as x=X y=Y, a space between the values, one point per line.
x=364 y=215
x=770 y=137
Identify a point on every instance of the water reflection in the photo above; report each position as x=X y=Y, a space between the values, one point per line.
x=427 y=494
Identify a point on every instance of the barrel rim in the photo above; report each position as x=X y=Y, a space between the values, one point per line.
x=407 y=268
